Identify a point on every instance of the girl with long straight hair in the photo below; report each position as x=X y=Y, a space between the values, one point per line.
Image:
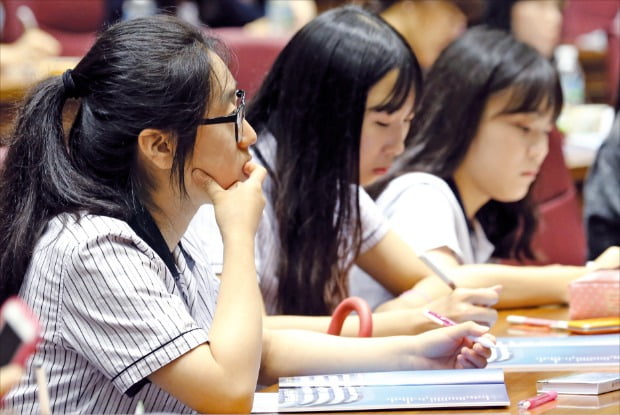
x=461 y=191
x=333 y=114
x=94 y=237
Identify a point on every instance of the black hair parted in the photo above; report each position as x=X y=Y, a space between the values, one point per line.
x=153 y=72
x=313 y=102
x=478 y=65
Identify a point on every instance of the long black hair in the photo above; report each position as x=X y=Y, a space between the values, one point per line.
x=476 y=66
x=313 y=101
x=145 y=73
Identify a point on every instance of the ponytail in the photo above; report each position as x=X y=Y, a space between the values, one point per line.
x=153 y=72
x=38 y=180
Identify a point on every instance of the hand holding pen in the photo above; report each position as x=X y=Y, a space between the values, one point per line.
x=449 y=347
x=464 y=304
x=442 y=275
x=446 y=322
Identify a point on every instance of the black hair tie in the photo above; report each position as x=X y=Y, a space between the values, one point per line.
x=68 y=83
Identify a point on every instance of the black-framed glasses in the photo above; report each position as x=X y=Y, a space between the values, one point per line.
x=237 y=116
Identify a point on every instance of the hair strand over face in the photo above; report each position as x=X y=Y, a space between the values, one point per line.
x=313 y=102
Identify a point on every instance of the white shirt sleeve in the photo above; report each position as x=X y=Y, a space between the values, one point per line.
x=374 y=224
x=423 y=214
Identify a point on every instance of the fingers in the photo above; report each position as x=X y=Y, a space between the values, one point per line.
x=470 y=358
x=250 y=168
x=483 y=351
x=255 y=172
x=486 y=297
x=211 y=187
x=483 y=315
x=609 y=259
x=469 y=329
x=256 y=175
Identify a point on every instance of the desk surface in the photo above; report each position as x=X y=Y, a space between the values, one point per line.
x=522 y=385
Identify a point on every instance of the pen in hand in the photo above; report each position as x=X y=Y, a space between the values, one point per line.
x=446 y=322
x=442 y=275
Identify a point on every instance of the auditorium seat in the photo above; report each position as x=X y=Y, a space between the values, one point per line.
x=252 y=55
x=73 y=23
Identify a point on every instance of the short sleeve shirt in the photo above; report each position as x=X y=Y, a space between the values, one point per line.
x=426 y=214
x=112 y=314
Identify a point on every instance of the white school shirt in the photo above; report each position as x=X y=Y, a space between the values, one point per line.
x=426 y=214
x=111 y=314
x=374 y=228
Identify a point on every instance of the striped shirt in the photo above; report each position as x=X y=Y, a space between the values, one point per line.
x=112 y=313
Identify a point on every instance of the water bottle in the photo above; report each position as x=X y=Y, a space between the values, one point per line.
x=280 y=16
x=138 y=8
x=571 y=74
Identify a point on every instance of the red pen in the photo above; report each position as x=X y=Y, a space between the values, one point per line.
x=538 y=400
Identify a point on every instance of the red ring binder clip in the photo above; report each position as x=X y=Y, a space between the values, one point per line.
x=346 y=306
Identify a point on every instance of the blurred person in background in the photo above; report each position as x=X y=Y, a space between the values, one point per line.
x=221 y=13
x=33 y=44
x=261 y=17
x=214 y=13
x=427 y=25
x=602 y=195
x=535 y=22
x=430 y=25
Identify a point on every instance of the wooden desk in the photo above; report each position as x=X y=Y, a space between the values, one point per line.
x=522 y=385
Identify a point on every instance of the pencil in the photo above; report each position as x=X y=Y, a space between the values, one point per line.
x=437 y=271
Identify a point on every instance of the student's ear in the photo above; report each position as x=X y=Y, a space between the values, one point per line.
x=157 y=147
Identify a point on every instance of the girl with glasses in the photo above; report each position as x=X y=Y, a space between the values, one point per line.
x=92 y=223
x=333 y=114
x=461 y=191
x=94 y=238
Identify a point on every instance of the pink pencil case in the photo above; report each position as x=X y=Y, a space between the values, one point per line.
x=596 y=294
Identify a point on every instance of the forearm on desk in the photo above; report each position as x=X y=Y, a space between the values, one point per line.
x=390 y=323
x=523 y=286
x=300 y=352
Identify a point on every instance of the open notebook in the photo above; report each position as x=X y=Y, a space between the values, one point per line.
x=393 y=390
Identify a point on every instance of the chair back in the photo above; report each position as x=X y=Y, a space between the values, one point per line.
x=560 y=238
x=73 y=23
x=252 y=55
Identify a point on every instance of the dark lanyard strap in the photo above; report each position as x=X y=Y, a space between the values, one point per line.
x=145 y=227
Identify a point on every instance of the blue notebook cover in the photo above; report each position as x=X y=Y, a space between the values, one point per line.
x=393 y=390
x=556 y=353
